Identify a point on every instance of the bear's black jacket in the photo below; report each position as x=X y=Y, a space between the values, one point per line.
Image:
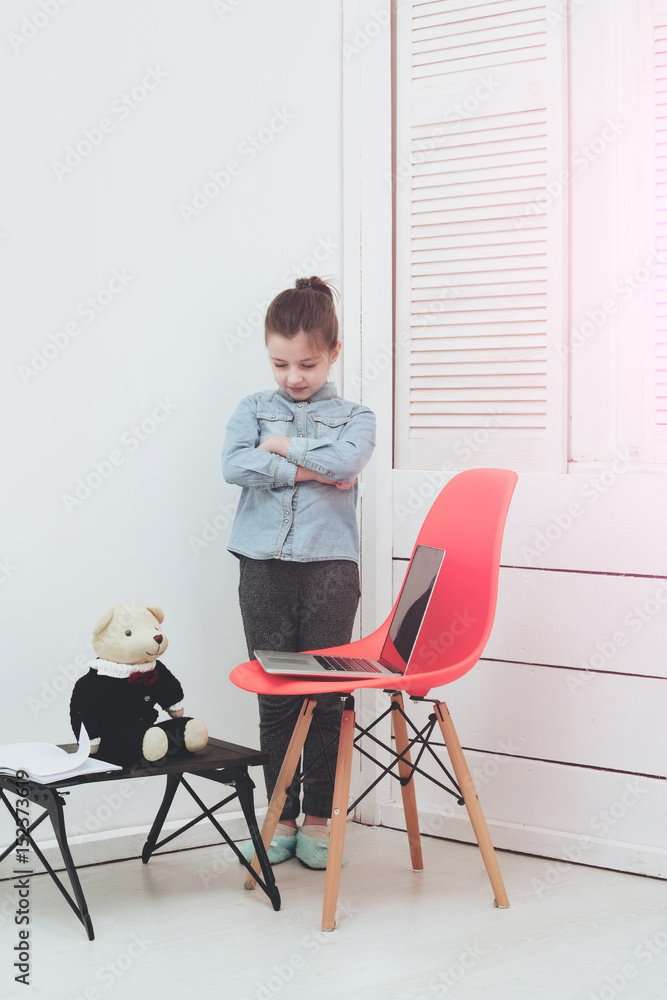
x=119 y=712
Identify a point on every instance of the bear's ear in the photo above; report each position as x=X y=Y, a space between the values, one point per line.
x=103 y=621
x=157 y=612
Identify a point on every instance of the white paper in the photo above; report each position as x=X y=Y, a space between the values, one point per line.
x=47 y=762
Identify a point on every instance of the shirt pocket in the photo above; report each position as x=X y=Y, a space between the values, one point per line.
x=274 y=424
x=331 y=427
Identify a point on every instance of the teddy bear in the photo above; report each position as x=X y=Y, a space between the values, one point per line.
x=116 y=699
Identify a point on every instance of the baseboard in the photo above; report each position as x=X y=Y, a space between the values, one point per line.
x=123 y=844
x=560 y=846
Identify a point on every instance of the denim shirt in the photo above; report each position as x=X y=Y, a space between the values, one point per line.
x=278 y=518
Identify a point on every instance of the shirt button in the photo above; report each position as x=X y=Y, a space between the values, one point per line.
x=147 y=697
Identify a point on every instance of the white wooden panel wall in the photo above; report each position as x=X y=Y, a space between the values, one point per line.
x=563 y=718
x=606 y=522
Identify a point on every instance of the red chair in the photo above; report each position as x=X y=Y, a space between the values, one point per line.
x=466 y=519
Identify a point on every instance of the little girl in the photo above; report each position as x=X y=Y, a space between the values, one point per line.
x=297 y=451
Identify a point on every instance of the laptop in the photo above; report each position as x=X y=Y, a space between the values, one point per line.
x=401 y=638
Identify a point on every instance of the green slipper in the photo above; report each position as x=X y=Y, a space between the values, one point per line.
x=280 y=849
x=312 y=852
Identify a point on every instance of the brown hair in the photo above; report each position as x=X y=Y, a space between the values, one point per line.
x=307 y=308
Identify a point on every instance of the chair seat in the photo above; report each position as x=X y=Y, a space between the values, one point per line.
x=250 y=676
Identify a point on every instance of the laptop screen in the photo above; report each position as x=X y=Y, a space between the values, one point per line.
x=411 y=607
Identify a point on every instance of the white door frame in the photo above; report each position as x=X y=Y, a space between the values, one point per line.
x=367 y=307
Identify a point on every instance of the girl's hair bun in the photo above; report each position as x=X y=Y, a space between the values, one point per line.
x=316 y=284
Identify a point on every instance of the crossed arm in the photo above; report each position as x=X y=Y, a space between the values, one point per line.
x=282 y=461
x=278 y=445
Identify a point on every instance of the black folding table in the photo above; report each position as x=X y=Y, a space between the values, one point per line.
x=220 y=761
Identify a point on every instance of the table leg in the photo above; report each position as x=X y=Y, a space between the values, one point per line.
x=173 y=781
x=53 y=803
x=244 y=788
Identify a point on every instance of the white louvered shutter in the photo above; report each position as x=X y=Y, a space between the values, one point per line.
x=660 y=117
x=476 y=229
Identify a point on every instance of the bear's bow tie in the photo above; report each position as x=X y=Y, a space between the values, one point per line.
x=146 y=677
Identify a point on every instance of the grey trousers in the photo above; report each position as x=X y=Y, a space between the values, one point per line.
x=295 y=606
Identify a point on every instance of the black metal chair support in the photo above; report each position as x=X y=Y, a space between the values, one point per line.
x=421 y=738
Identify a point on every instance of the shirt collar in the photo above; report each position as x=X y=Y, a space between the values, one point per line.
x=327 y=391
x=109 y=668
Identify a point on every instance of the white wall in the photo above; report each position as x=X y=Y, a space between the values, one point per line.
x=186 y=331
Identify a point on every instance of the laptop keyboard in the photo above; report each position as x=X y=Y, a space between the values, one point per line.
x=349 y=664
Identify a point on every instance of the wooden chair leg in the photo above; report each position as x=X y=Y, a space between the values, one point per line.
x=408 y=790
x=287 y=772
x=339 y=817
x=469 y=792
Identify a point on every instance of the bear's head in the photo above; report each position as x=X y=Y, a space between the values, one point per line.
x=127 y=633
